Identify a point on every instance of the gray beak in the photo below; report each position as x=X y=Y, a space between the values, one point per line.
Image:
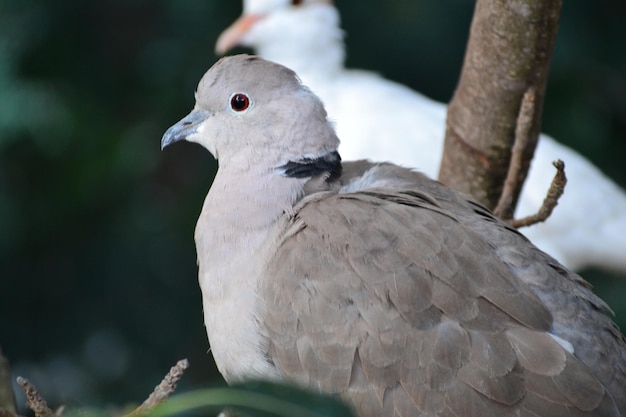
x=185 y=127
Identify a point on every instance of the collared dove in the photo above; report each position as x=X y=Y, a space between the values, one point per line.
x=373 y=282
x=400 y=125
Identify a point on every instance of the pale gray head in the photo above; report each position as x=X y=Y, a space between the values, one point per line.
x=256 y=112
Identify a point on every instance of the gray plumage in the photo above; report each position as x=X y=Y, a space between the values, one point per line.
x=373 y=282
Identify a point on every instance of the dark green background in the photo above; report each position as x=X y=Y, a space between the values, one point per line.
x=98 y=290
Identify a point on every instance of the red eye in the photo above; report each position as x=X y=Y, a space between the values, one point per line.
x=239 y=102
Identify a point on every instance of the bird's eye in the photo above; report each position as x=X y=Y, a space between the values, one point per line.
x=296 y=2
x=239 y=102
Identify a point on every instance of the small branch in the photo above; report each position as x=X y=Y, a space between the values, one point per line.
x=516 y=175
x=163 y=390
x=7 y=399
x=34 y=400
x=550 y=202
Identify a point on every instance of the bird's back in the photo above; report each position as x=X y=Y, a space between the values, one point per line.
x=396 y=292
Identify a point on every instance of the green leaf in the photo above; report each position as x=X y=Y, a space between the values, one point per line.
x=256 y=399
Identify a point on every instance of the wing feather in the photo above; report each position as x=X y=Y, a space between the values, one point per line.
x=403 y=309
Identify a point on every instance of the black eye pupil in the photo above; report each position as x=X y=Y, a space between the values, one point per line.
x=296 y=2
x=239 y=102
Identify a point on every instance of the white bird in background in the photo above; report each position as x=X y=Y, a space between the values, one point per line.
x=397 y=124
x=373 y=282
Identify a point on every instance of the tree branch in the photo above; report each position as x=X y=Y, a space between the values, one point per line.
x=34 y=400
x=163 y=390
x=550 y=202
x=508 y=54
x=516 y=174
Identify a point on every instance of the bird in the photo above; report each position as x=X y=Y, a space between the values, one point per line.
x=372 y=282
x=400 y=125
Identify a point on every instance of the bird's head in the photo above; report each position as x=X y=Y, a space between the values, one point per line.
x=255 y=112
x=281 y=30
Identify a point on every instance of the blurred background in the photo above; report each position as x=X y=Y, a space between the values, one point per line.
x=98 y=289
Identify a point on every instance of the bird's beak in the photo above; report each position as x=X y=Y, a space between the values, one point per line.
x=231 y=37
x=185 y=127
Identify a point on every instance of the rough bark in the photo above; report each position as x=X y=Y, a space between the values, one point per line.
x=508 y=55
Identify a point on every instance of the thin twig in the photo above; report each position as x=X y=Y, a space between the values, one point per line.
x=505 y=207
x=7 y=399
x=550 y=202
x=163 y=390
x=34 y=400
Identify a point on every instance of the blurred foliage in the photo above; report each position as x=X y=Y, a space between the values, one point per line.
x=249 y=399
x=98 y=290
